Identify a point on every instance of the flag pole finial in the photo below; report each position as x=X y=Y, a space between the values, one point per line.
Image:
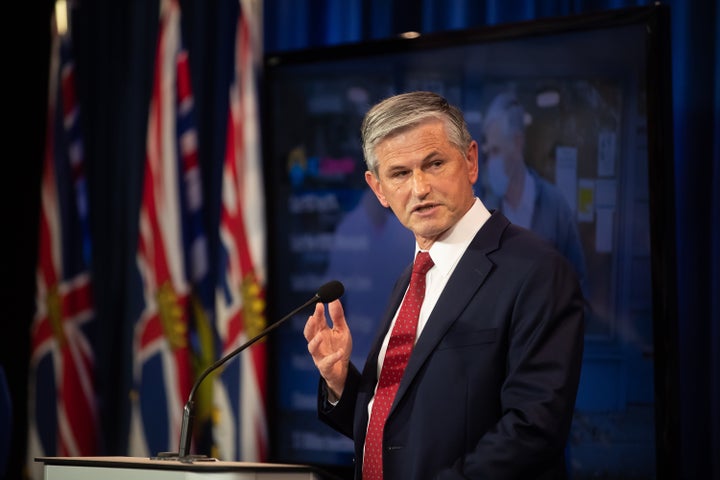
x=61 y=17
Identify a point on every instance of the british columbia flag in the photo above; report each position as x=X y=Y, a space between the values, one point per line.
x=240 y=393
x=62 y=409
x=171 y=254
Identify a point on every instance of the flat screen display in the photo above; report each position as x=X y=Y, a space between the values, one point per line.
x=583 y=90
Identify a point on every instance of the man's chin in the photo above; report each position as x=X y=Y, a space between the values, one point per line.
x=428 y=233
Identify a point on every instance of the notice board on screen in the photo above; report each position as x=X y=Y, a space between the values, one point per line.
x=595 y=97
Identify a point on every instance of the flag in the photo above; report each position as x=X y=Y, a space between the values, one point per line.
x=171 y=250
x=62 y=411
x=240 y=393
x=202 y=339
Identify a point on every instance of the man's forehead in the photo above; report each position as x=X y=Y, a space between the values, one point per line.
x=429 y=121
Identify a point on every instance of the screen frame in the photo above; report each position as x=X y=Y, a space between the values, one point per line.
x=661 y=188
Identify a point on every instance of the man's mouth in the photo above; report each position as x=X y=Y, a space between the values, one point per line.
x=423 y=207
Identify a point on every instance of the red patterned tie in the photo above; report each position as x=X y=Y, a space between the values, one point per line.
x=399 y=347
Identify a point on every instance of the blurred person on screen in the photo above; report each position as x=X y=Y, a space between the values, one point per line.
x=493 y=362
x=517 y=190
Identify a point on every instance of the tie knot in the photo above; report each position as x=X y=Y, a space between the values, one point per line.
x=423 y=263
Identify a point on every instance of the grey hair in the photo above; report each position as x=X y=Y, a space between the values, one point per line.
x=406 y=111
x=505 y=107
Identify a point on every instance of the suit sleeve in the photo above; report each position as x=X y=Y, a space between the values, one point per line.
x=340 y=416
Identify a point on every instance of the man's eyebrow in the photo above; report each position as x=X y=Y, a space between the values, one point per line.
x=432 y=155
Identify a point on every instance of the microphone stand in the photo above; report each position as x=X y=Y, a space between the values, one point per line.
x=327 y=293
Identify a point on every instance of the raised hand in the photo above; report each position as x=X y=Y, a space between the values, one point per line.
x=330 y=346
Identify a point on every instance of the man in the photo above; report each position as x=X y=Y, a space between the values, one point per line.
x=524 y=197
x=489 y=387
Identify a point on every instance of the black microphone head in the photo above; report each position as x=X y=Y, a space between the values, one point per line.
x=332 y=290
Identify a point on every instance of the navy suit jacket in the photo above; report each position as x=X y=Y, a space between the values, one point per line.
x=489 y=390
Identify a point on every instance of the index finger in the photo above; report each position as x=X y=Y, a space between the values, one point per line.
x=315 y=322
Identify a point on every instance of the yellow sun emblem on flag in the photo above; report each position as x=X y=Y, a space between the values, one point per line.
x=171 y=317
x=53 y=303
x=253 y=305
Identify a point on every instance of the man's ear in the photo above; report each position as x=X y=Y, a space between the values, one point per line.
x=472 y=156
x=375 y=186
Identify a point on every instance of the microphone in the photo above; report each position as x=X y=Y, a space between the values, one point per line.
x=327 y=293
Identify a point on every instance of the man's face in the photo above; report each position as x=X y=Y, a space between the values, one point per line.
x=502 y=154
x=497 y=143
x=425 y=180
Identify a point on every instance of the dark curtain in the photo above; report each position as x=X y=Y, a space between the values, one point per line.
x=114 y=55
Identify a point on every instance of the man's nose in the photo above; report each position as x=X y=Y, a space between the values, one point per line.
x=421 y=183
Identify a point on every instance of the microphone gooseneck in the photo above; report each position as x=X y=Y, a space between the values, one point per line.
x=327 y=293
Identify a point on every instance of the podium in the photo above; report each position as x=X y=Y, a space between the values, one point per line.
x=142 y=468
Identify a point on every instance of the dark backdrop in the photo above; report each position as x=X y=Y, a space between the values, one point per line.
x=114 y=46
